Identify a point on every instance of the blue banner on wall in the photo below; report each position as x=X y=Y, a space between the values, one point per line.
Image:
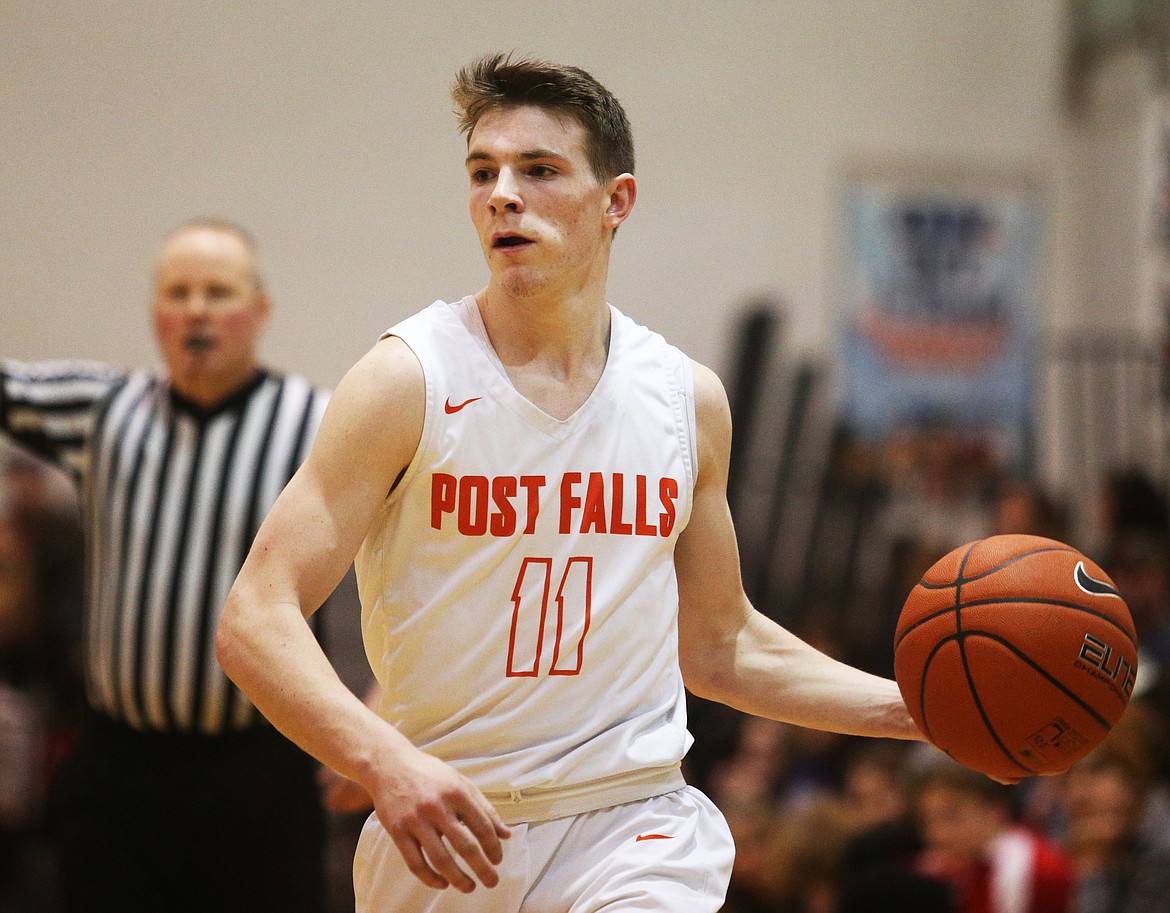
x=939 y=305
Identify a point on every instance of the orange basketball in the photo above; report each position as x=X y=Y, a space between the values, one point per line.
x=1015 y=655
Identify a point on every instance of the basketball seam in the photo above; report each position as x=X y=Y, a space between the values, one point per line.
x=961 y=636
x=1104 y=616
x=926 y=585
x=1000 y=639
x=958 y=638
x=962 y=641
x=982 y=711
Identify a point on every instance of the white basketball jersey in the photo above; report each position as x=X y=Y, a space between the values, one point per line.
x=518 y=588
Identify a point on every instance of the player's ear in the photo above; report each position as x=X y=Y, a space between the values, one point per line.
x=622 y=191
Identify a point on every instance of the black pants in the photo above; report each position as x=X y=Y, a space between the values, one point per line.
x=161 y=823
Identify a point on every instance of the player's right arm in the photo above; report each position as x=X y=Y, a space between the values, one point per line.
x=368 y=436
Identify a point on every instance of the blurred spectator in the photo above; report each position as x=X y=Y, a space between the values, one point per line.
x=1024 y=507
x=878 y=870
x=973 y=842
x=780 y=791
x=754 y=826
x=790 y=862
x=1138 y=561
x=939 y=478
x=751 y=775
x=1151 y=711
x=781 y=765
x=877 y=785
x=809 y=852
x=41 y=693
x=1118 y=825
x=815 y=765
x=1129 y=499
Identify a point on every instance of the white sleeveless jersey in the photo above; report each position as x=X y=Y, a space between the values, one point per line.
x=518 y=588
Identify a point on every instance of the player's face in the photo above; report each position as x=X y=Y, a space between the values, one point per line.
x=208 y=313
x=544 y=220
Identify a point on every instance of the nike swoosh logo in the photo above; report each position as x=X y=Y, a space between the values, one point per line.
x=1091 y=585
x=451 y=408
x=642 y=837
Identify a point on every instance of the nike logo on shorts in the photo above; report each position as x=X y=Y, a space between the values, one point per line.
x=642 y=837
x=451 y=408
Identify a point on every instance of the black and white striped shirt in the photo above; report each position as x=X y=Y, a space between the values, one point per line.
x=173 y=496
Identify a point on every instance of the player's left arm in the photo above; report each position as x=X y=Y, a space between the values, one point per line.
x=733 y=654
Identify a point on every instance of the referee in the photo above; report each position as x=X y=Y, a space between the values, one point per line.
x=179 y=797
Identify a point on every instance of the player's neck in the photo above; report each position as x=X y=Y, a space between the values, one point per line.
x=564 y=331
x=554 y=355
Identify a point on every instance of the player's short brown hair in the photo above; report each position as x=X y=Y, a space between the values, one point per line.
x=496 y=81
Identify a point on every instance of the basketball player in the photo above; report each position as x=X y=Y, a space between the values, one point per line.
x=537 y=486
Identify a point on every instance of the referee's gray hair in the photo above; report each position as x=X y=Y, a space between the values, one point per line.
x=229 y=227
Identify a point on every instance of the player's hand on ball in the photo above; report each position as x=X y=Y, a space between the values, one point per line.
x=436 y=817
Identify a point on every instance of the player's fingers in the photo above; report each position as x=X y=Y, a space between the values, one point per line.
x=469 y=847
x=487 y=829
x=501 y=830
x=441 y=861
x=416 y=862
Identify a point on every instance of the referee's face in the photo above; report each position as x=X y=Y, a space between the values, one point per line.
x=209 y=312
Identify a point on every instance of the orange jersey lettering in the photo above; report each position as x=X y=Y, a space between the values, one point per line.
x=482 y=506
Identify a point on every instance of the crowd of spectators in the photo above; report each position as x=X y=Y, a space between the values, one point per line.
x=834 y=824
x=41 y=692
x=823 y=823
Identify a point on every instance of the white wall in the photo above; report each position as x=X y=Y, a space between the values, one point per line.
x=1111 y=158
x=326 y=129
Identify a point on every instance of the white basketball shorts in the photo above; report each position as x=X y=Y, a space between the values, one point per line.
x=667 y=854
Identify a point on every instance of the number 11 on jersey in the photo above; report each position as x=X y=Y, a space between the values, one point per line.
x=530 y=601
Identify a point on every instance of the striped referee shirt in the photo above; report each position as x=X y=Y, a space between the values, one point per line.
x=172 y=496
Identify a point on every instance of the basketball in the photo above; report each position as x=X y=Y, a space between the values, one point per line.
x=1015 y=655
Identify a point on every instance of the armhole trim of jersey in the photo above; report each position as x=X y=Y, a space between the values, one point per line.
x=424 y=438
x=681 y=378
x=688 y=394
